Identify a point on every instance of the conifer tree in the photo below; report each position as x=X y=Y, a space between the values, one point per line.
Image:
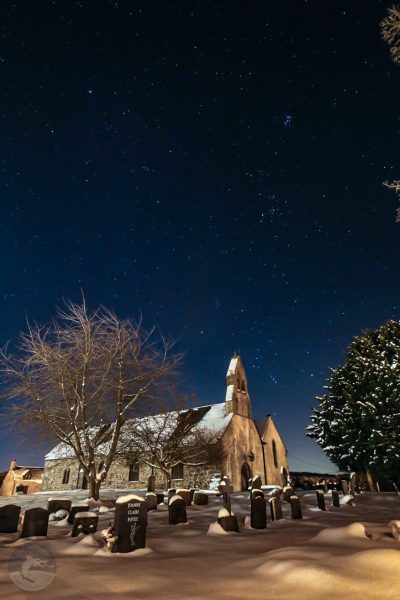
x=357 y=423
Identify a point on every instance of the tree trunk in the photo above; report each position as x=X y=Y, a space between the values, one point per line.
x=371 y=484
x=167 y=479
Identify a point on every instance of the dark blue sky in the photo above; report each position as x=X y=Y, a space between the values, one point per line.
x=216 y=165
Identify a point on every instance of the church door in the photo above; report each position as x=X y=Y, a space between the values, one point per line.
x=245 y=476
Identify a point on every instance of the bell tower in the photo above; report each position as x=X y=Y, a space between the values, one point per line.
x=237 y=399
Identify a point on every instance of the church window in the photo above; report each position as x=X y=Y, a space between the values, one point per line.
x=134 y=472
x=243 y=387
x=274 y=453
x=177 y=471
x=66 y=476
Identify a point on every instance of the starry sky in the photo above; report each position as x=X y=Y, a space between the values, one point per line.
x=217 y=165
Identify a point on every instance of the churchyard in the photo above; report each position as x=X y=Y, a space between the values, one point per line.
x=201 y=543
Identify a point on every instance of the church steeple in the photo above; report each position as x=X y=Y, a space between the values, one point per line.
x=237 y=399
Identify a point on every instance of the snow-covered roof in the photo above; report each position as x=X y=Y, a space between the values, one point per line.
x=212 y=417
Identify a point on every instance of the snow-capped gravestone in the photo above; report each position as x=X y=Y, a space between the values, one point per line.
x=84 y=522
x=288 y=491
x=192 y=493
x=395 y=530
x=295 y=506
x=200 y=498
x=225 y=488
x=396 y=489
x=228 y=520
x=130 y=523
x=55 y=504
x=275 y=508
x=321 y=499
x=345 y=487
x=256 y=483
x=185 y=494
x=171 y=493
x=151 y=501
x=177 y=510
x=36 y=521
x=151 y=483
x=9 y=517
x=76 y=508
x=258 y=507
x=335 y=498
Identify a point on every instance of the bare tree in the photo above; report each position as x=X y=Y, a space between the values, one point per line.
x=390 y=29
x=80 y=378
x=174 y=435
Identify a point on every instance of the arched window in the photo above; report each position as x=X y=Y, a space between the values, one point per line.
x=66 y=476
x=274 y=453
x=177 y=471
x=134 y=472
x=243 y=387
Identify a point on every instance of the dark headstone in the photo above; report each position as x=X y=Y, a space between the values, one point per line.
x=35 y=523
x=345 y=487
x=185 y=494
x=335 y=498
x=353 y=484
x=177 y=510
x=396 y=488
x=321 y=499
x=227 y=520
x=225 y=488
x=296 y=507
x=200 y=498
x=151 y=483
x=56 y=504
x=84 y=522
x=258 y=508
x=130 y=523
x=76 y=508
x=256 y=483
x=9 y=517
x=192 y=493
x=160 y=498
x=256 y=493
x=151 y=501
x=275 y=508
x=171 y=493
x=287 y=493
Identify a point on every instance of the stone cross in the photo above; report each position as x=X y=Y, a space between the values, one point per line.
x=275 y=508
x=321 y=499
x=335 y=498
x=9 y=518
x=227 y=520
x=84 y=522
x=295 y=506
x=36 y=521
x=258 y=507
x=177 y=510
x=130 y=523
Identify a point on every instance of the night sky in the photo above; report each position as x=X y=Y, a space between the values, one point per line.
x=215 y=165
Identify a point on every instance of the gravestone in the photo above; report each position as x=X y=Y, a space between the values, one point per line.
x=177 y=510
x=151 y=501
x=256 y=493
x=256 y=483
x=9 y=518
x=185 y=494
x=35 y=523
x=395 y=530
x=227 y=520
x=200 y=498
x=335 y=498
x=295 y=506
x=171 y=493
x=160 y=498
x=276 y=509
x=345 y=487
x=321 y=499
x=277 y=493
x=396 y=489
x=225 y=488
x=84 y=522
x=55 y=504
x=258 y=507
x=130 y=523
x=76 y=508
x=288 y=491
x=192 y=493
x=151 y=483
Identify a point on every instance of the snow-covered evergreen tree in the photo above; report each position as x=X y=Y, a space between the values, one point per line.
x=357 y=423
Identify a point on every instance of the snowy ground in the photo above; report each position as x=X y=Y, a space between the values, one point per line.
x=326 y=554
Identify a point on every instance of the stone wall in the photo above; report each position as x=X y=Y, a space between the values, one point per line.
x=274 y=470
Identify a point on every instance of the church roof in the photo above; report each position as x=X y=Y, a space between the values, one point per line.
x=211 y=417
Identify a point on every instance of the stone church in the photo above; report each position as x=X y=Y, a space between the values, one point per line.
x=249 y=447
